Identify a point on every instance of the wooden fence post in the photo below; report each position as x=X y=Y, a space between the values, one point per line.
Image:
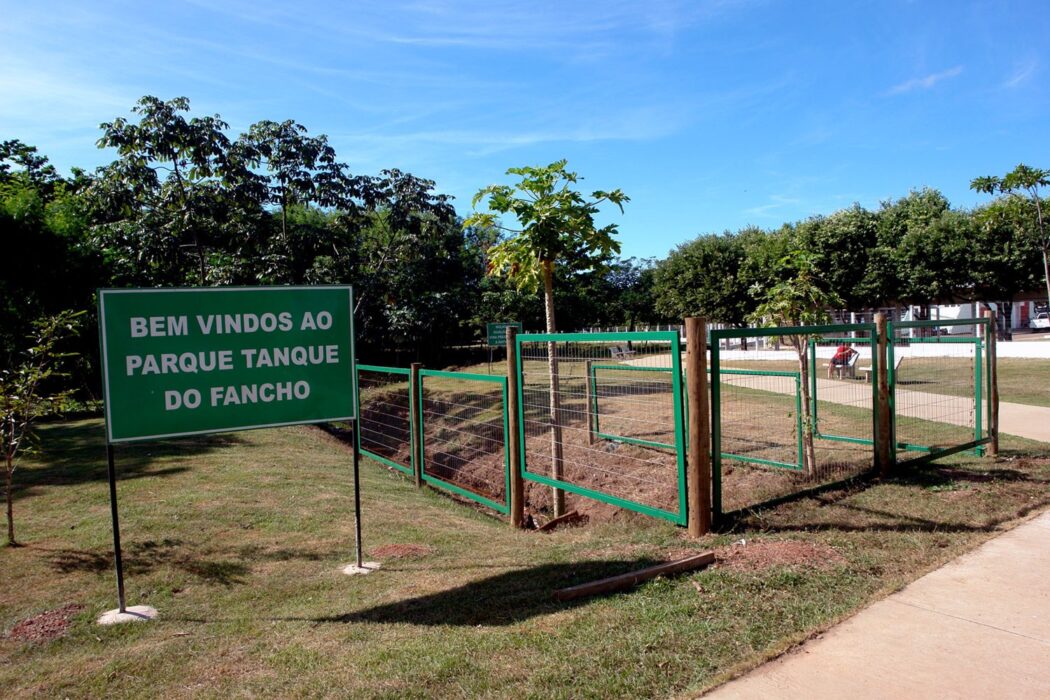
x=415 y=408
x=516 y=497
x=993 y=380
x=698 y=472
x=885 y=455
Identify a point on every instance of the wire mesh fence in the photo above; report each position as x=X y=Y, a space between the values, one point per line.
x=602 y=417
x=464 y=429
x=761 y=413
x=620 y=393
x=842 y=383
x=937 y=387
x=792 y=414
x=383 y=402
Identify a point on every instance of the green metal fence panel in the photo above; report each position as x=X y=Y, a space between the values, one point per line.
x=383 y=400
x=464 y=427
x=939 y=387
x=852 y=383
x=837 y=410
x=632 y=455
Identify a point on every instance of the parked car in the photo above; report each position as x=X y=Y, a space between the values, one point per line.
x=1040 y=322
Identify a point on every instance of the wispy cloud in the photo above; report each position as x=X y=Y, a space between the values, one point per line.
x=924 y=83
x=1022 y=74
x=776 y=203
x=503 y=25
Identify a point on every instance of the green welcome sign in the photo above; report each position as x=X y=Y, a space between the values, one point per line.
x=190 y=361
x=497 y=332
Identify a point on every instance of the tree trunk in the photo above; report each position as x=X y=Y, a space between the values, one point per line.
x=284 y=218
x=200 y=260
x=1007 y=315
x=1046 y=276
x=10 y=502
x=809 y=453
x=557 y=453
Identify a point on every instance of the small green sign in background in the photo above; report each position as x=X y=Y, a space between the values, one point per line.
x=189 y=361
x=497 y=333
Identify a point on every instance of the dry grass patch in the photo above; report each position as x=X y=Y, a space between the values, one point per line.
x=758 y=555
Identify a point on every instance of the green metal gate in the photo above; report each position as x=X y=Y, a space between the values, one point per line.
x=601 y=416
x=463 y=426
x=940 y=393
x=767 y=392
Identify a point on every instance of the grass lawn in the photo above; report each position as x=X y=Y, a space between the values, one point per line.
x=238 y=541
x=1024 y=381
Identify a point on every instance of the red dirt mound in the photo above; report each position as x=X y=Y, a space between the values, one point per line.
x=401 y=551
x=756 y=556
x=46 y=626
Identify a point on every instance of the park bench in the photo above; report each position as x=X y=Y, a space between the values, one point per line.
x=867 y=370
x=620 y=352
x=849 y=369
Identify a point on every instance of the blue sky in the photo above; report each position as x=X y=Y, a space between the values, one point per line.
x=710 y=115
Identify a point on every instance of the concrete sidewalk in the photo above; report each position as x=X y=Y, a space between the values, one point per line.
x=979 y=627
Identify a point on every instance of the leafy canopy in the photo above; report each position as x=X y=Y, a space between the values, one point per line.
x=557 y=223
x=800 y=298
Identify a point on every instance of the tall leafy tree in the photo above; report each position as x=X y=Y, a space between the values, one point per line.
x=1025 y=184
x=935 y=260
x=1004 y=261
x=555 y=222
x=172 y=179
x=702 y=277
x=49 y=264
x=302 y=169
x=841 y=245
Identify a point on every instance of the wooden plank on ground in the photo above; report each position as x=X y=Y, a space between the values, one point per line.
x=571 y=518
x=633 y=578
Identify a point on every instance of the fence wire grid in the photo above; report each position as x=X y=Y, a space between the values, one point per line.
x=937 y=385
x=383 y=402
x=602 y=417
x=770 y=395
x=464 y=429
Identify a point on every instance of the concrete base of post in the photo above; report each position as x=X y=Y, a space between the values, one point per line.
x=136 y=613
x=366 y=567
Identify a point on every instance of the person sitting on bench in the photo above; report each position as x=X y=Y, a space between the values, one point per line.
x=841 y=359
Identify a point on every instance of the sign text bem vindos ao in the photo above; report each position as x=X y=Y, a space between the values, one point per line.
x=187 y=361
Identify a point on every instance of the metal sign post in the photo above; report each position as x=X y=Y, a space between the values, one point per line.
x=118 y=560
x=357 y=496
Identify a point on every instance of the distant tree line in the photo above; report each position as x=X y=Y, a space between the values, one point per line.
x=916 y=250
x=186 y=203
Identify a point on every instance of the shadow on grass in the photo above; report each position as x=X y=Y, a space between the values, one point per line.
x=930 y=477
x=144 y=557
x=75 y=453
x=503 y=599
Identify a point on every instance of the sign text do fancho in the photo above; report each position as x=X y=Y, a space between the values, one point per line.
x=187 y=361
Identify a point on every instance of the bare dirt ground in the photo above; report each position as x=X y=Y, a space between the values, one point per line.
x=761 y=555
x=464 y=440
x=401 y=551
x=47 y=625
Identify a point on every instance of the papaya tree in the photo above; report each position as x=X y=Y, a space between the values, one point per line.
x=800 y=298
x=555 y=225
